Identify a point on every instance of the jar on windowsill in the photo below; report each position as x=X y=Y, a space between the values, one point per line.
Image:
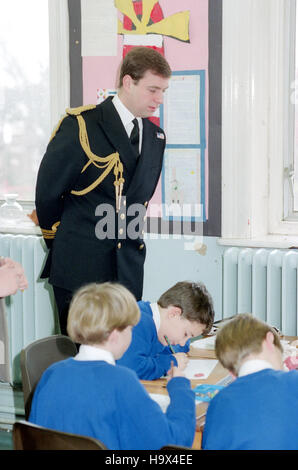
x=11 y=212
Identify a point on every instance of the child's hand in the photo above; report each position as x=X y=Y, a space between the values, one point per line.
x=22 y=280
x=182 y=360
x=12 y=277
x=174 y=372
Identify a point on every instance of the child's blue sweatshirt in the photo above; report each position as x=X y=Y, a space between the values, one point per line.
x=146 y=355
x=97 y=399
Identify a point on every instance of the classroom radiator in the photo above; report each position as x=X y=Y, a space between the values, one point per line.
x=30 y=314
x=262 y=282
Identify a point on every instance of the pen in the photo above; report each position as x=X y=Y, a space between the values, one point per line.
x=169 y=344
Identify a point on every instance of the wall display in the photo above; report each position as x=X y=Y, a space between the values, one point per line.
x=188 y=34
x=183 y=175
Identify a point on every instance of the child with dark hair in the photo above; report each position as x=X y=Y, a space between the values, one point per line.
x=183 y=312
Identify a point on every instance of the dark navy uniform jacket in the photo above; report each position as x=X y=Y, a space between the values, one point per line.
x=78 y=253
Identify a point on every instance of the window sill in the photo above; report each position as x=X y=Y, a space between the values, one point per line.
x=25 y=228
x=269 y=241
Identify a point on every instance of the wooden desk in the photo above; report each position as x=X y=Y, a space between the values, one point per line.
x=218 y=373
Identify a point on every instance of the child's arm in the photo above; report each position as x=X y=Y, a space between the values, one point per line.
x=148 y=366
x=152 y=427
x=145 y=354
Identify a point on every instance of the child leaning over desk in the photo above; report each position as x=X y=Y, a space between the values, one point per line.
x=259 y=410
x=182 y=312
x=90 y=395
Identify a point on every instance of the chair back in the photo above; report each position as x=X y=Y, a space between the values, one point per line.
x=37 y=357
x=28 y=436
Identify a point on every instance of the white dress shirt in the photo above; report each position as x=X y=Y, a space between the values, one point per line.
x=127 y=117
x=92 y=353
x=253 y=365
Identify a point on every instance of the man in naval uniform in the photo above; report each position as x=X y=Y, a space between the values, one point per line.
x=95 y=180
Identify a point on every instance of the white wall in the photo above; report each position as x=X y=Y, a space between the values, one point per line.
x=168 y=262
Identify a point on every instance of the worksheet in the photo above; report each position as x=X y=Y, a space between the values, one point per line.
x=200 y=368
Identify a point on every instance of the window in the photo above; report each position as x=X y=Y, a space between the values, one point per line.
x=292 y=173
x=25 y=93
x=257 y=124
x=284 y=160
x=31 y=102
x=291 y=132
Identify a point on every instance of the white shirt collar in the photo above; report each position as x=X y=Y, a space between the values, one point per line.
x=156 y=315
x=92 y=353
x=126 y=117
x=253 y=365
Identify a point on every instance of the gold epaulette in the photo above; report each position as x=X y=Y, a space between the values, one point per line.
x=72 y=112
x=79 y=109
x=50 y=234
x=107 y=163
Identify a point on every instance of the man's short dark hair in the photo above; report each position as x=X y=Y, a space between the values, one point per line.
x=141 y=59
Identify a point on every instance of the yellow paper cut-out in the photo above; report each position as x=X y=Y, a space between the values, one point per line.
x=176 y=25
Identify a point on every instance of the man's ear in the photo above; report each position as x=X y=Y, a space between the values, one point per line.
x=127 y=82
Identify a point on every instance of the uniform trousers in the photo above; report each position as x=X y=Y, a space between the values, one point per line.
x=62 y=298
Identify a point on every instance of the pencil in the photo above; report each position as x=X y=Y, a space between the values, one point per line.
x=169 y=344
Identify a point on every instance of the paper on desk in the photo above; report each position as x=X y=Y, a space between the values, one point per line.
x=162 y=400
x=205 y=343
x=200 y=366
x=288 y=349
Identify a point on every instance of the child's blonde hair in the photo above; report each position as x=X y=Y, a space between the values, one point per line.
x=241 y=336
x=97 y=309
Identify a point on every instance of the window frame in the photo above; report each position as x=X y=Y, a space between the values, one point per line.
x=283 y=218
x=256 y=96
x=291 y=167
x=59 y=59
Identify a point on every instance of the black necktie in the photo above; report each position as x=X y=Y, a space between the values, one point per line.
x=135 y=136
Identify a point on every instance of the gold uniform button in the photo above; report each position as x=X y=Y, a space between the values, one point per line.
x=121 y=231
x=119 y=245
x=122 y=216
x=141 y=246
x=146 y=203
